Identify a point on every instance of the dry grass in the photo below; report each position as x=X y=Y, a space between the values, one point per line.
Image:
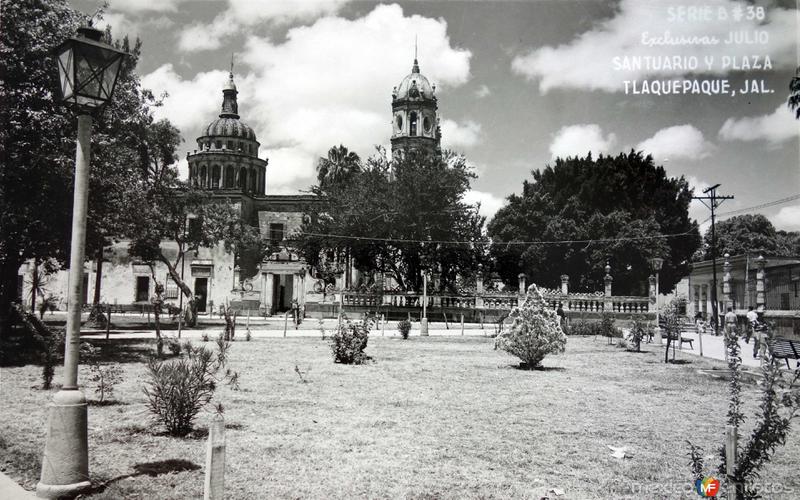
x=430 y=418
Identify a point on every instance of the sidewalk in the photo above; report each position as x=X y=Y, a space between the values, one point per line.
x=10 y=490
x=714 y=347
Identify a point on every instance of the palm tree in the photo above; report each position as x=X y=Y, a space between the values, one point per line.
x=339 y=166
x=794 y=97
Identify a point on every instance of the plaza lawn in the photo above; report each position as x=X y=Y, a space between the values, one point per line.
x=430 y=418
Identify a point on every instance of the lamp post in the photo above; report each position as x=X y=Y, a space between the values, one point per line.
x=423 y=323
x=656 y=263
x=88 y=70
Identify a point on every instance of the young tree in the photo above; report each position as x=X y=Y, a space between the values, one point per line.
x=613 y=208
x=400 y=216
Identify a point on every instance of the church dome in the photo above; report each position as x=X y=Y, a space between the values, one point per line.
x=414 y=86
x=229 y=127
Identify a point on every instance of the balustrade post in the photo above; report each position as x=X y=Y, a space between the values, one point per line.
x=521 y=277
x=761 y=302
x=726 y=283
x=607 y=280
x=479 y=291
x=564 y=284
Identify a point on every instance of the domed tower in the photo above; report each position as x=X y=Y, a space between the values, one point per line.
x=415 y=120
x=227 y=155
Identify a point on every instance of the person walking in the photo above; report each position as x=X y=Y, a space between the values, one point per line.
x=754 y=330
x=730 y=322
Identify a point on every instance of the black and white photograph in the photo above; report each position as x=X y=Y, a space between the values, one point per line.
x=412 y=249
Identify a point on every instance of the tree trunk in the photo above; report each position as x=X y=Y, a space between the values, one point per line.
x=666 y=353
x=98 y=279
x=9 y=269
x=176 y=277
x=34 y=284
x=97 y=317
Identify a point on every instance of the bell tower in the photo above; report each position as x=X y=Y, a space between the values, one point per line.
x=415 y=117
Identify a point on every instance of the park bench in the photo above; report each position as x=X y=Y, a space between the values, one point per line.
x=682 y=339
x=785 y=348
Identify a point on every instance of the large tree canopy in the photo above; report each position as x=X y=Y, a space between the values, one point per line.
x=37 y=143
x=619 y=209
x=400 y=216
x=750 y=234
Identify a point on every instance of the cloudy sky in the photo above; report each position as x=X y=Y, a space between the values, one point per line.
x=519 y=83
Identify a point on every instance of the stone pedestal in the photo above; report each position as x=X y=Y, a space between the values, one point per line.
x=423 y=327
x=65 y=466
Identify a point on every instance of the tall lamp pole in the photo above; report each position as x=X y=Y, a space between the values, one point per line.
x=423 y=323
x=656 y=263
x=88 y=70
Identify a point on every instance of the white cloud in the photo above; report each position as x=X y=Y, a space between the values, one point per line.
x=788 y=218
x=123 y=24
x=490 y=203
x=482 y=91
x=183 y=168
x=137 y=6
x=460 y=135
x=697 y=210
x=577 y=140
x=322 y=87
x=587 y=62
x=247 y=13
x=774 y=128
x=680 y=141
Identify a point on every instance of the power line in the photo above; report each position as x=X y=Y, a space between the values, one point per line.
x=507 y=243
x=763 y=205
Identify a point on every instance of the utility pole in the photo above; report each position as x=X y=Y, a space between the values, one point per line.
x=714 y=201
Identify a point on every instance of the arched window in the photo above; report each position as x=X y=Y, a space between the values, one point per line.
x=230 y=145
x=215 y=174
x=253 y=181
x=412 y=124
x=230 y=177
x=243 y=179
x=219 y=144
x=203 y=176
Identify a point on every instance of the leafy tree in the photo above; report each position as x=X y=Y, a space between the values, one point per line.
x=794 y=96
x=614 y=209
x=37 y=148
x=753 y=234
x=339 y=167
x=399 y=216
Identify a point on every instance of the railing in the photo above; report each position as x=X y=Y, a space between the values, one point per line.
x=580 y=302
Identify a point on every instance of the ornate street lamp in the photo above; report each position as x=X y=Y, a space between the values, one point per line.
x=88 y=70
x=656 y=263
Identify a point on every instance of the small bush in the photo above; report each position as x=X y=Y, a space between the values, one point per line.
x=350 y=341
x=534 y=333
x=204 y=337
x=640 y=330
x=179 y=388
x=104 y=377
x=404 y=327
x=174 y=345
x=583 y=328
x=607 y=327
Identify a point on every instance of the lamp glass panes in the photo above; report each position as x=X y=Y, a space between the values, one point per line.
x=87 y=70
x=656 y=263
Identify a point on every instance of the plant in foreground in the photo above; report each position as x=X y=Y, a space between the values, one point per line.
x=404 y=327
x=179 y=388
x=350 y=340
x=534 y=333
x=104 y=377
x=780 y=401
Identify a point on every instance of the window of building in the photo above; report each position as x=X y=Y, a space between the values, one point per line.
x=230 y=145
x=219 y=144
x=276 y=233
x=412 y=124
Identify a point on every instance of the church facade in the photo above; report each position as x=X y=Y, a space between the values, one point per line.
x=227 y=164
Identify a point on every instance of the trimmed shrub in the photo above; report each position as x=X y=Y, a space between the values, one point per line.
x=404 y=327
x=350 y=340
x=179 y=388
x=640 y=330
x=173 y=345
x=534 y=333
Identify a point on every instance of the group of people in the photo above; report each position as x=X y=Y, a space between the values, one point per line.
x=753 y=330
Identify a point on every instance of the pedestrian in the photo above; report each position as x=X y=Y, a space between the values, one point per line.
x=562 y=318
x=730 y=322
x=752 y=321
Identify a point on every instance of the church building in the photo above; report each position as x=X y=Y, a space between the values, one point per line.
x=227 y=164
